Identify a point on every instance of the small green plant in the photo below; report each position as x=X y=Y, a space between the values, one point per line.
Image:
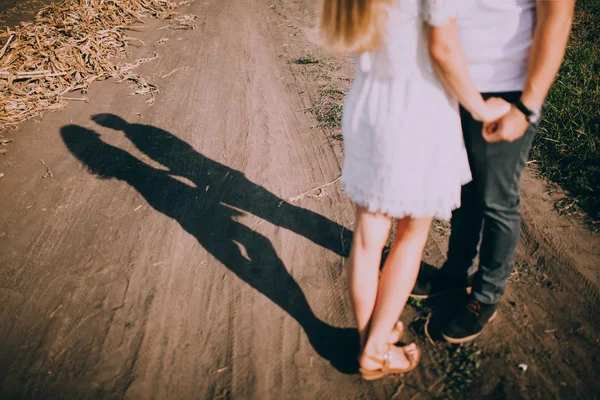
x=417 y=303
x=461 y=366
x=305 y=60
x=328 y=110
x=330 y=116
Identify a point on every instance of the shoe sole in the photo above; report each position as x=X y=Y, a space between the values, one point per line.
x=438 y=294
x=469 y=338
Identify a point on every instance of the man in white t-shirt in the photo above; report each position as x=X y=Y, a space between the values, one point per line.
x=514 y=49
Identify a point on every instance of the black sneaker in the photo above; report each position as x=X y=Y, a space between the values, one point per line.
x=431 y=283
x=469 y=322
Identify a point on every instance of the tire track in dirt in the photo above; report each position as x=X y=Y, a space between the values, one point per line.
x=574 y=248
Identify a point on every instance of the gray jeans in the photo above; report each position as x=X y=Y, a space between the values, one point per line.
x=489 y=212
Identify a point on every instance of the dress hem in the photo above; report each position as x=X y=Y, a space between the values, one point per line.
x=440 y=209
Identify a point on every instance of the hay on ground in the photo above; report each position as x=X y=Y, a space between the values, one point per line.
x=69 y=46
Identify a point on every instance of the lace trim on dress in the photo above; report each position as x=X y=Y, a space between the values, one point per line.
x=439 y=208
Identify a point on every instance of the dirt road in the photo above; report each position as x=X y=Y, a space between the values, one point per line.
x=168 y=251
x=13 y=12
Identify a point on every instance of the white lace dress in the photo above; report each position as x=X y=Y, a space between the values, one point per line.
x=403 y=148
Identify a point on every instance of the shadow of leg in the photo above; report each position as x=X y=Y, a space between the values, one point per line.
x=265 y=271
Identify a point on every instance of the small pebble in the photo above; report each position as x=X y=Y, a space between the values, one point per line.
x=523 y=367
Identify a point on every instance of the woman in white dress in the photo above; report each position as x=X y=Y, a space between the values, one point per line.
x=404 y=155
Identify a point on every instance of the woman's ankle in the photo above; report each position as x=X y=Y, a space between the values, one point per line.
x=370 y=358
x=374 y=348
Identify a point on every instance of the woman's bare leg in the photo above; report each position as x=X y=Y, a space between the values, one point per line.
x=370 y=235
x=397 y=280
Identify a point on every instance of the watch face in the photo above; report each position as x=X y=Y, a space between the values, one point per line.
x=535 y=117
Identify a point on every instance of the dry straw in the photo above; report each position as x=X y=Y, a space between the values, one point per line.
x=69 y=46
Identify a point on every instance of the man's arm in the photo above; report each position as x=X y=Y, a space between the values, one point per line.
x=554 y=19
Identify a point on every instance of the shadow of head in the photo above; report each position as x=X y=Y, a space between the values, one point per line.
x=81 y=142
x=160 y=145
x=100 y=158
x=110 y=121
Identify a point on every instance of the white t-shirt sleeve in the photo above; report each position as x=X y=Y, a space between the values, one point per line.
x=439 y=12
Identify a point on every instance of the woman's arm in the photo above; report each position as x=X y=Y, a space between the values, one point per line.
x=450 y=64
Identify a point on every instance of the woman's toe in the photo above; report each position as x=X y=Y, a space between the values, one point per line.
x=396 y=333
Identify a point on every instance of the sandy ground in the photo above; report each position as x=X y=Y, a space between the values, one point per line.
x=13 y=12
x=164 y=258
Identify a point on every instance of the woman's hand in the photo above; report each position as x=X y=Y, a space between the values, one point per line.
x=495 y=108
x=449 y=62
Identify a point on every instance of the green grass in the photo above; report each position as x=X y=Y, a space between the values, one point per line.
x=567 y=149
x=328 y=109
x=461 y=366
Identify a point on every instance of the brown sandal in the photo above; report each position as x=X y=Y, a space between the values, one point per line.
x=413 y=355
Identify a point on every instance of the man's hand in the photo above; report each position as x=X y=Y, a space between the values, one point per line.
x=508 y=128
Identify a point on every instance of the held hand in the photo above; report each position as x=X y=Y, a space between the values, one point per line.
x=496 y=109
x=509 y=128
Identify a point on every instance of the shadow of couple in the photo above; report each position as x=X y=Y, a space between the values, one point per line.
x=207 y=212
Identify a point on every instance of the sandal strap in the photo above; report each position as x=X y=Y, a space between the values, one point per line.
x=385 y=361
x=377 y=360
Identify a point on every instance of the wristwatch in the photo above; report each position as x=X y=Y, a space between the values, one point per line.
x=533 y=116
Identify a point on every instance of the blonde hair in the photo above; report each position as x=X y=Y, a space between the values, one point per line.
x=351 y=26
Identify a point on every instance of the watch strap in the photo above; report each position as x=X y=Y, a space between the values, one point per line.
x=523 y=108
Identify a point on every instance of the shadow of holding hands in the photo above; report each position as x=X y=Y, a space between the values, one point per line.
x=207 y=212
